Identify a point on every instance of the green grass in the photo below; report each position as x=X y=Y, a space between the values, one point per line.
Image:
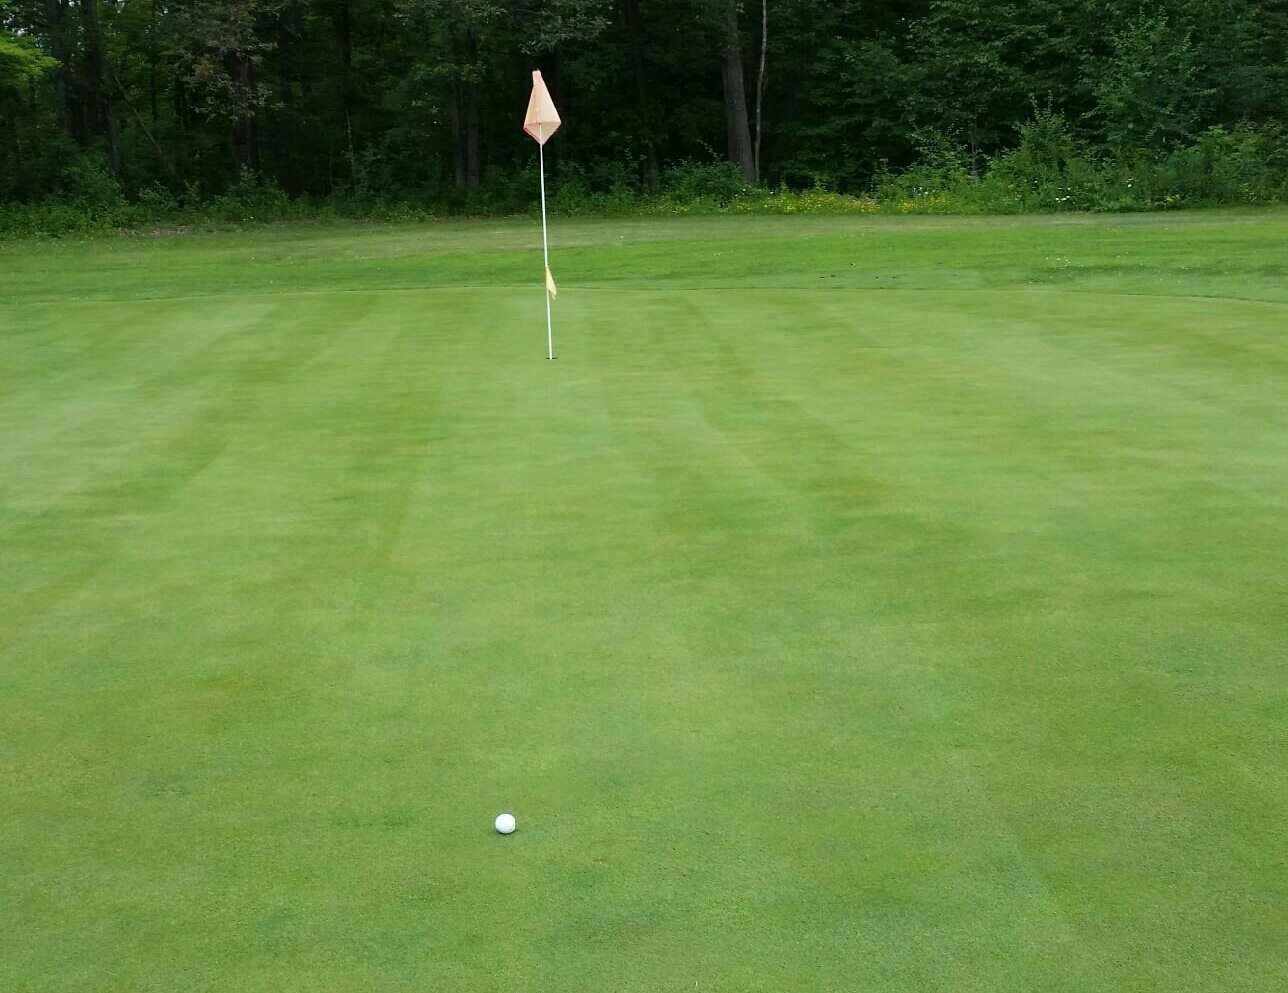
x=856 y=605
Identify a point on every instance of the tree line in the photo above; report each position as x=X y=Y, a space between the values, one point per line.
x=424 y=98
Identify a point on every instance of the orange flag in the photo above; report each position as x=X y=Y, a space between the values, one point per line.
x=542 y=120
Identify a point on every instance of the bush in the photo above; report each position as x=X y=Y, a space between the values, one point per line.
x=88 y=184
x=90 y=202
x=1047 y=171
x=716 y=183
x=1050 y=170
x=251 y=197
x=1245 y=165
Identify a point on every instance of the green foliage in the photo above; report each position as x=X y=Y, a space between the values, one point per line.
x=1150 y=94
x=1052 y=170
x=718 y=183
x=251 y=197
x=21 y=62
x=854 y=116
x=89 y=184
x=971 y=79
x=1243 y=165
x=932 y=185
x=606 y=188
x=1049 y=170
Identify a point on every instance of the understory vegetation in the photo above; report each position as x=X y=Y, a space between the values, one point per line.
x=1049 y=170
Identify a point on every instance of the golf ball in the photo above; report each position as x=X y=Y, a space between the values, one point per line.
x=505 y=823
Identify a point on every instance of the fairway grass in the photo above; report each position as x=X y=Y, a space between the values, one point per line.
x=855 y=605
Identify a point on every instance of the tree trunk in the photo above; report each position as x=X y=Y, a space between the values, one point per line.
x=54 y=18
x=760 y=80
x=472 y=134
x=143 y=126
x=652 y=178
x=152 y=60
x=455 y=105
x=735 y=94
x=180 y=99
x=786 y=115
x=344 y=33
x=284 y=125
x=100 y=100
x=470 y=86
x=245 y=138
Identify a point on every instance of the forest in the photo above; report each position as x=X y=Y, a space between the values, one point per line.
x=420 y=101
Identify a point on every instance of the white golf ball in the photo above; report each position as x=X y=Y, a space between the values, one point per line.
x=505 y=823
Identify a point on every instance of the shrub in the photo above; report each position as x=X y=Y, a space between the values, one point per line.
x=250 y=197
x=1243 y=165
x=704 y=182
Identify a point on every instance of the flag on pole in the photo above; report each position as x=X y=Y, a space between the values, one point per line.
x=541 y=122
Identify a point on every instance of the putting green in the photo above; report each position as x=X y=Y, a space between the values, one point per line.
x=856 y=604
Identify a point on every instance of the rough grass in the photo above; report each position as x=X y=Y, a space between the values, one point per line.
x=855 y=605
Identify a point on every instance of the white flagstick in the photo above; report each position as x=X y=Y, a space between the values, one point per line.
x=545 y=249
x=541 y=122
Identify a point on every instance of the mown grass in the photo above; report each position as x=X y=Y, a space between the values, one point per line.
x=857 y=604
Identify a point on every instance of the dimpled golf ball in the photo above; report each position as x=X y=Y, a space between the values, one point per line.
x=505 y=824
